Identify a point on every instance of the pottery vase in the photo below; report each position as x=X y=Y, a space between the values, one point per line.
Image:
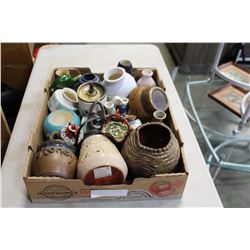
x=126 y=65
x=100 y=162
x=118 y=83
x=55 y=159
x=151 y=149
x=58 y=119
x=144 y=100
x=146 y=78
x=65 y=98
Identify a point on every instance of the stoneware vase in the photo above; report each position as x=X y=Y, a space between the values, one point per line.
x=58 y=119
x=146 y=78
x=144 y=100
x=126 y=65
x=118 y=83
x=55 y=159
x=151 y=149
x=100 y=162
x=65 y=98
x=116 y=128
x=159 y=115
x=89 y=93
x=88 y=77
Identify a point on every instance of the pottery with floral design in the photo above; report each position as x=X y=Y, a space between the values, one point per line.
x=100 y=162
x=151 y=149
x=116 y=128
x=55 y=159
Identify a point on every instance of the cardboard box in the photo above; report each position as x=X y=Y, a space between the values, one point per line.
x=54 y=189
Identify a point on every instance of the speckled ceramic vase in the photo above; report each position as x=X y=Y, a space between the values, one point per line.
x=151 y=149
x=100 y=162
x=55 y=159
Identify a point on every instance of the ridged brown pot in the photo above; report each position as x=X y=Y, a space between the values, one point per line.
x=55 y=159
x=151 y=149
x=144 y=100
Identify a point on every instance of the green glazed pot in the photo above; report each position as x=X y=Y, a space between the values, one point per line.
x=64 y=81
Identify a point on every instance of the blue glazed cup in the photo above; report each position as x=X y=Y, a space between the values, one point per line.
x=57 y=120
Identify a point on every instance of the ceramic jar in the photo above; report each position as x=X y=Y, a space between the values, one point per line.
x=144 y=100
x=89 y=93
x=118 y=83
x=151 y=149
x=126 y=65
x=146 y=78
x=100 y=162
x=116 y=128
x=65 y=98
x=88 y=77
x=55 y=159
x=64 y=81
x=58 y=119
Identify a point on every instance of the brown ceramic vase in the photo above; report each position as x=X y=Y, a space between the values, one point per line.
x=55 y=161
x=144 y=100
x=151 y=149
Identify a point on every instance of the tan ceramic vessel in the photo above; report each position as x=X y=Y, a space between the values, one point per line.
x=100 y=162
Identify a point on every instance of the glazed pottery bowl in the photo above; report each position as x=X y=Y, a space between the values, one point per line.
x=65 y=98
x=100 y=162
x=58 y=119
x=54 y=159
x=151 y=149
x=118 y=83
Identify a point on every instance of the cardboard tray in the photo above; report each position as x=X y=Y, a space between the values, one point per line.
x=54 y=189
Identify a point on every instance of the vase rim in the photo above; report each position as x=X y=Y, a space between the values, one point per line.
x=115 y=70
x=155 y=150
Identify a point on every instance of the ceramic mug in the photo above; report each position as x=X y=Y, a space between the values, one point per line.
x=65 y=98
x=58 y=119
x=118 y=83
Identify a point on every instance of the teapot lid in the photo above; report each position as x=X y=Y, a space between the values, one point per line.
x=91 y=92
